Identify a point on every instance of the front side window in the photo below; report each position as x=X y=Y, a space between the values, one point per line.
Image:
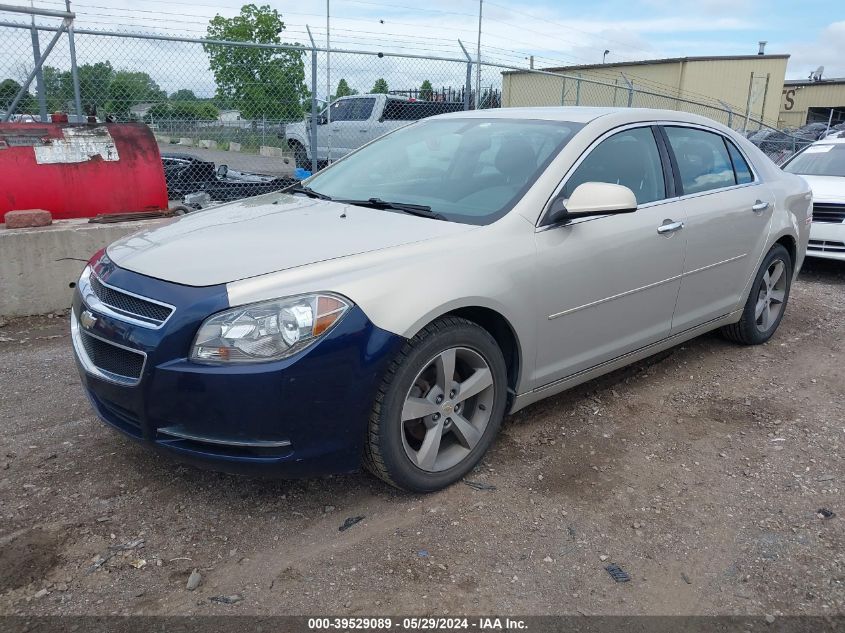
x=702 y=158
x=469 y=170
x=823 y=159
x=628 y=158
x=341 y=110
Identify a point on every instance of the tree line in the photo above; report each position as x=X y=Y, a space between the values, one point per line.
x=258 y=82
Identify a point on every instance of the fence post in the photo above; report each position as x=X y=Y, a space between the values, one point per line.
x=313 y=126
x=71 y=44
x=39 y=74
x=38 y=64
x=630 y=89
x=468 y=85
x=578 y=90
x=730 y=112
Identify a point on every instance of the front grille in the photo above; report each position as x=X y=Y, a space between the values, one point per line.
x=130 y=305
x=116 y=361
x=829 y=213
x=826 y=246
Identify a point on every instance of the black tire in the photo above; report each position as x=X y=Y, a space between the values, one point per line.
x=300 y=156
x=747 y=331
x=385 y=455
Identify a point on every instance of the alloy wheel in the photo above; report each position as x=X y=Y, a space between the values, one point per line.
x=447 y=409
x=770 y=296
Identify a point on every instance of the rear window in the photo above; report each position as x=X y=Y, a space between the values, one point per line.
x=396 y=110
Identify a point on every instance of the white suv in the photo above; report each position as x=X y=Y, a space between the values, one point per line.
x=822 y=165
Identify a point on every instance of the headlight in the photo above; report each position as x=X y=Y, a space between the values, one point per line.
x=270 y=330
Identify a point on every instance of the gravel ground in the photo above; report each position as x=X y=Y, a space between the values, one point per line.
x=700 y=472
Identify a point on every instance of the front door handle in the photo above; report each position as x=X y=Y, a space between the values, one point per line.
x=669 y=228
x=759 y=206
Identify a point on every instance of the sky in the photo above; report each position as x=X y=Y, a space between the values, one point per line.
x=555 y=33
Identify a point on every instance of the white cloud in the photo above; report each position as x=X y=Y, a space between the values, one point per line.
x=828 y=50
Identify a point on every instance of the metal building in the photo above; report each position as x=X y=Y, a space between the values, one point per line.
x=747 y=84
x=811 y=101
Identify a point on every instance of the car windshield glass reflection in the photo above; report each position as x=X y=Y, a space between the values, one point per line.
x=466 y=170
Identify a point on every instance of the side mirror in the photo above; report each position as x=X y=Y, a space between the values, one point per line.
x=593 y=198
x=322 y=120
x=222 y=170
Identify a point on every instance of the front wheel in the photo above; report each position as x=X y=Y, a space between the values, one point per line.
x=300 y=156
x=766 y=303
x=439 y=407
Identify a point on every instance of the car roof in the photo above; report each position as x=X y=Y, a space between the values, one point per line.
x=582 y=114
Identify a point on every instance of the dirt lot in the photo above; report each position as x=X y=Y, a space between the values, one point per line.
x=700 y=473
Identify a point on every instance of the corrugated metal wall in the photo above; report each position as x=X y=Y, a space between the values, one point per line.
x=796 y=100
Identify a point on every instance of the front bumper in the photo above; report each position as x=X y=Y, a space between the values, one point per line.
x=301 y=416
x=827 y=240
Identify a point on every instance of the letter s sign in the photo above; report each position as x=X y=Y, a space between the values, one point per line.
x=788 y=99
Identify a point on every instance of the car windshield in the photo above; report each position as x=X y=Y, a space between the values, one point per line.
x=471 y=171
x=826 y=159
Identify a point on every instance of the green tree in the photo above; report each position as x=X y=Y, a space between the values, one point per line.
x=55 y=85
x=380 y=87
x=426 y=91
x=9 y=89
x=128 y=88
x=183 y=111
x=260 y=82
x=343 y=90
x=94 y=82
x=184 y=95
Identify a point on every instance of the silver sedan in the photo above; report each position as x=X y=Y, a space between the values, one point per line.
x=393 y=308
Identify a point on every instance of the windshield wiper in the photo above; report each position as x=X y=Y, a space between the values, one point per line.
x=308 y=191
x=421 y=210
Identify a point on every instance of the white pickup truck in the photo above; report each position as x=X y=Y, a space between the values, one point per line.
x=354 y=121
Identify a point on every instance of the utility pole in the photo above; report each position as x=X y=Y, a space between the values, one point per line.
x=478 y=60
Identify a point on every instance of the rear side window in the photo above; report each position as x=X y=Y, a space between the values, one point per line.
x=703 y=160
x=361 y=109
x=741 y=168
x=628 y=158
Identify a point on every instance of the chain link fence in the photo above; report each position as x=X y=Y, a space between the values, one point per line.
x=237 y=118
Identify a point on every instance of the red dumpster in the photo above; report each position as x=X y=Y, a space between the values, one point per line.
x=79 y=171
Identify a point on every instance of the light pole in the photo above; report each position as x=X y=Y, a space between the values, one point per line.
x=604 y=57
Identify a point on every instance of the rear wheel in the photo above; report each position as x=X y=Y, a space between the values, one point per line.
x=766 y=303
x=439 y=407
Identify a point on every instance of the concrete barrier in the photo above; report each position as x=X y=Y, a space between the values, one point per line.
x=164 y=140
x=234 y=147
x=271 y=152
x=187 y=142
x=207 y=144
x=37 y=265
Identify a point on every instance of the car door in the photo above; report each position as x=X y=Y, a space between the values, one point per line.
x=608 y=284
x=728 y=211
x=337 y=128
x=363 y=127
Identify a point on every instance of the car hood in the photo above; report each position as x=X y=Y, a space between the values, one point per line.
x=267 y=234
x=827 y=188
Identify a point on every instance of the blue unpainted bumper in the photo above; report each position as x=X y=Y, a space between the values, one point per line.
x=302 y=416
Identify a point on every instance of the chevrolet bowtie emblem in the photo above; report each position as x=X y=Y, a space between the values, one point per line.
x=87 y=320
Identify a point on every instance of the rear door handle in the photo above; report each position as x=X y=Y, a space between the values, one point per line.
x=759 y=206
x=664 y=229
